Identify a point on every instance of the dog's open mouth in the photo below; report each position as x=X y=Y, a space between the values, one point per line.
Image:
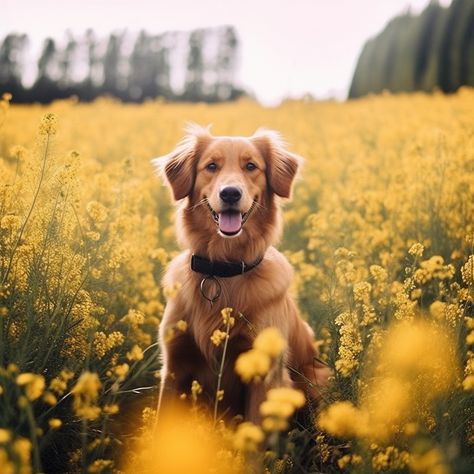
x=230 y=221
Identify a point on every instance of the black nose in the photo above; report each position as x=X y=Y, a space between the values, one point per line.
x=230 y=194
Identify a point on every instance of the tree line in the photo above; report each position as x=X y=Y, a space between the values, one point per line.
x=432 y=50
x=199 y=65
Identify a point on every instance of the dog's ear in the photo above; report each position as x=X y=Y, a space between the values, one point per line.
x=179 y=167
x=281 y=164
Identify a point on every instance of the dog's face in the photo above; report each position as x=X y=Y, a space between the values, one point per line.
x=231 y=177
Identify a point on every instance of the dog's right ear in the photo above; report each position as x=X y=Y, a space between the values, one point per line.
x=179 y=167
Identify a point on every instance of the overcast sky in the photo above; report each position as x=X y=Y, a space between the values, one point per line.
x=288 y=47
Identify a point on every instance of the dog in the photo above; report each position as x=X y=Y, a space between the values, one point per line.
x=229 y=190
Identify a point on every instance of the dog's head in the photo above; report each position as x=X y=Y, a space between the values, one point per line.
x=233 y=179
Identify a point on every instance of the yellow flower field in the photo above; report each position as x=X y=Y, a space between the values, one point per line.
x=380 y=232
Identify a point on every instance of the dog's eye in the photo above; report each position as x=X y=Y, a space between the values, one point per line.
x=250 y=166
x=211 y=167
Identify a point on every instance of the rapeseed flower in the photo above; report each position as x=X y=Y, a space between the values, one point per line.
x=252 y=365
x=270 y=341
x=86 y=394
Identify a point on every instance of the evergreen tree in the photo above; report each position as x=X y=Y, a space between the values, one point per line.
x=433 y=49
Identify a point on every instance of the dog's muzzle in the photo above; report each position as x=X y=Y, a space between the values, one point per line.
x=230 y=221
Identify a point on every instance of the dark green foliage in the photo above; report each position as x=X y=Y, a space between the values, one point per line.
x=420 y=52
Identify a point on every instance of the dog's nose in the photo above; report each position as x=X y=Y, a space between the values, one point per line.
x=230 y=194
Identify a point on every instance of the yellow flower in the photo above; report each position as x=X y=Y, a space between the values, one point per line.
x=93 y=235
x=86 y=393
x=437 y=310
x=59 y=384
x=112 y=409
x=97 y=211
x=181 y=325
x=289 y=395
x=55 y=423
x=390 y=459
x=226 y=316
x=100 y=465
x=467 y=271
x=410 y=429
x=272 y=424
x=135 y=353
x=280 y=404
x=276 y=408
x=119 y=372
x=416 y=250
x=378 y=273
x=196 y=390
x=361 y=291
x=49 y=398
x=218 y=336
x=342 y=419
x=248 y=437
x=421 y=349
x=34 y=384
x=468 y=383
x=134 y=318
x=5 y=436
x=431 y=462
x=270 y=342
x=344 y=461
x=49 y=124
x=10 y=223
x=22 y=447
x=252 y=364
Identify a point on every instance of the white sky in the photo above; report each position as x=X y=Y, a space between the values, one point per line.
x=288 y=47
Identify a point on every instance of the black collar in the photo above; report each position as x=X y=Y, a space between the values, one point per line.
x=221 y=269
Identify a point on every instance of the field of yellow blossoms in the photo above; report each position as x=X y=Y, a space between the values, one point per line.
x=381 y=235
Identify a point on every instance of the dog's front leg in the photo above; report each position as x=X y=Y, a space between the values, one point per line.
x=179 y=356
x=168 y=383
x=256 y=395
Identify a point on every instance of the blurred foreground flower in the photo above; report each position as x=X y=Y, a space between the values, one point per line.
x=181 y=443
x=86 y=393
x=415 y=365
x=256 y=363
x=280 y=404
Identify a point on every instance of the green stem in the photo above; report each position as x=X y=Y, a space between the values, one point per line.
x=84 y=447
x=34 y=439
x=221 y=371
x=20 y=235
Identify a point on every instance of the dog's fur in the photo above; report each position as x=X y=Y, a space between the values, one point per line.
x=261 y=295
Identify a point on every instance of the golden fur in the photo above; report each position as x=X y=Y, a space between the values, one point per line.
x=261 y=295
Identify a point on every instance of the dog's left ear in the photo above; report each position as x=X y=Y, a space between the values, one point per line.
x=282 y=165
x=179 y=167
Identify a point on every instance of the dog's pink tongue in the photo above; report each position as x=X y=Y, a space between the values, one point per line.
x=230 y=222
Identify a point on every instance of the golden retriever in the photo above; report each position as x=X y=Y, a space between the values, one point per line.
x=229 y=219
